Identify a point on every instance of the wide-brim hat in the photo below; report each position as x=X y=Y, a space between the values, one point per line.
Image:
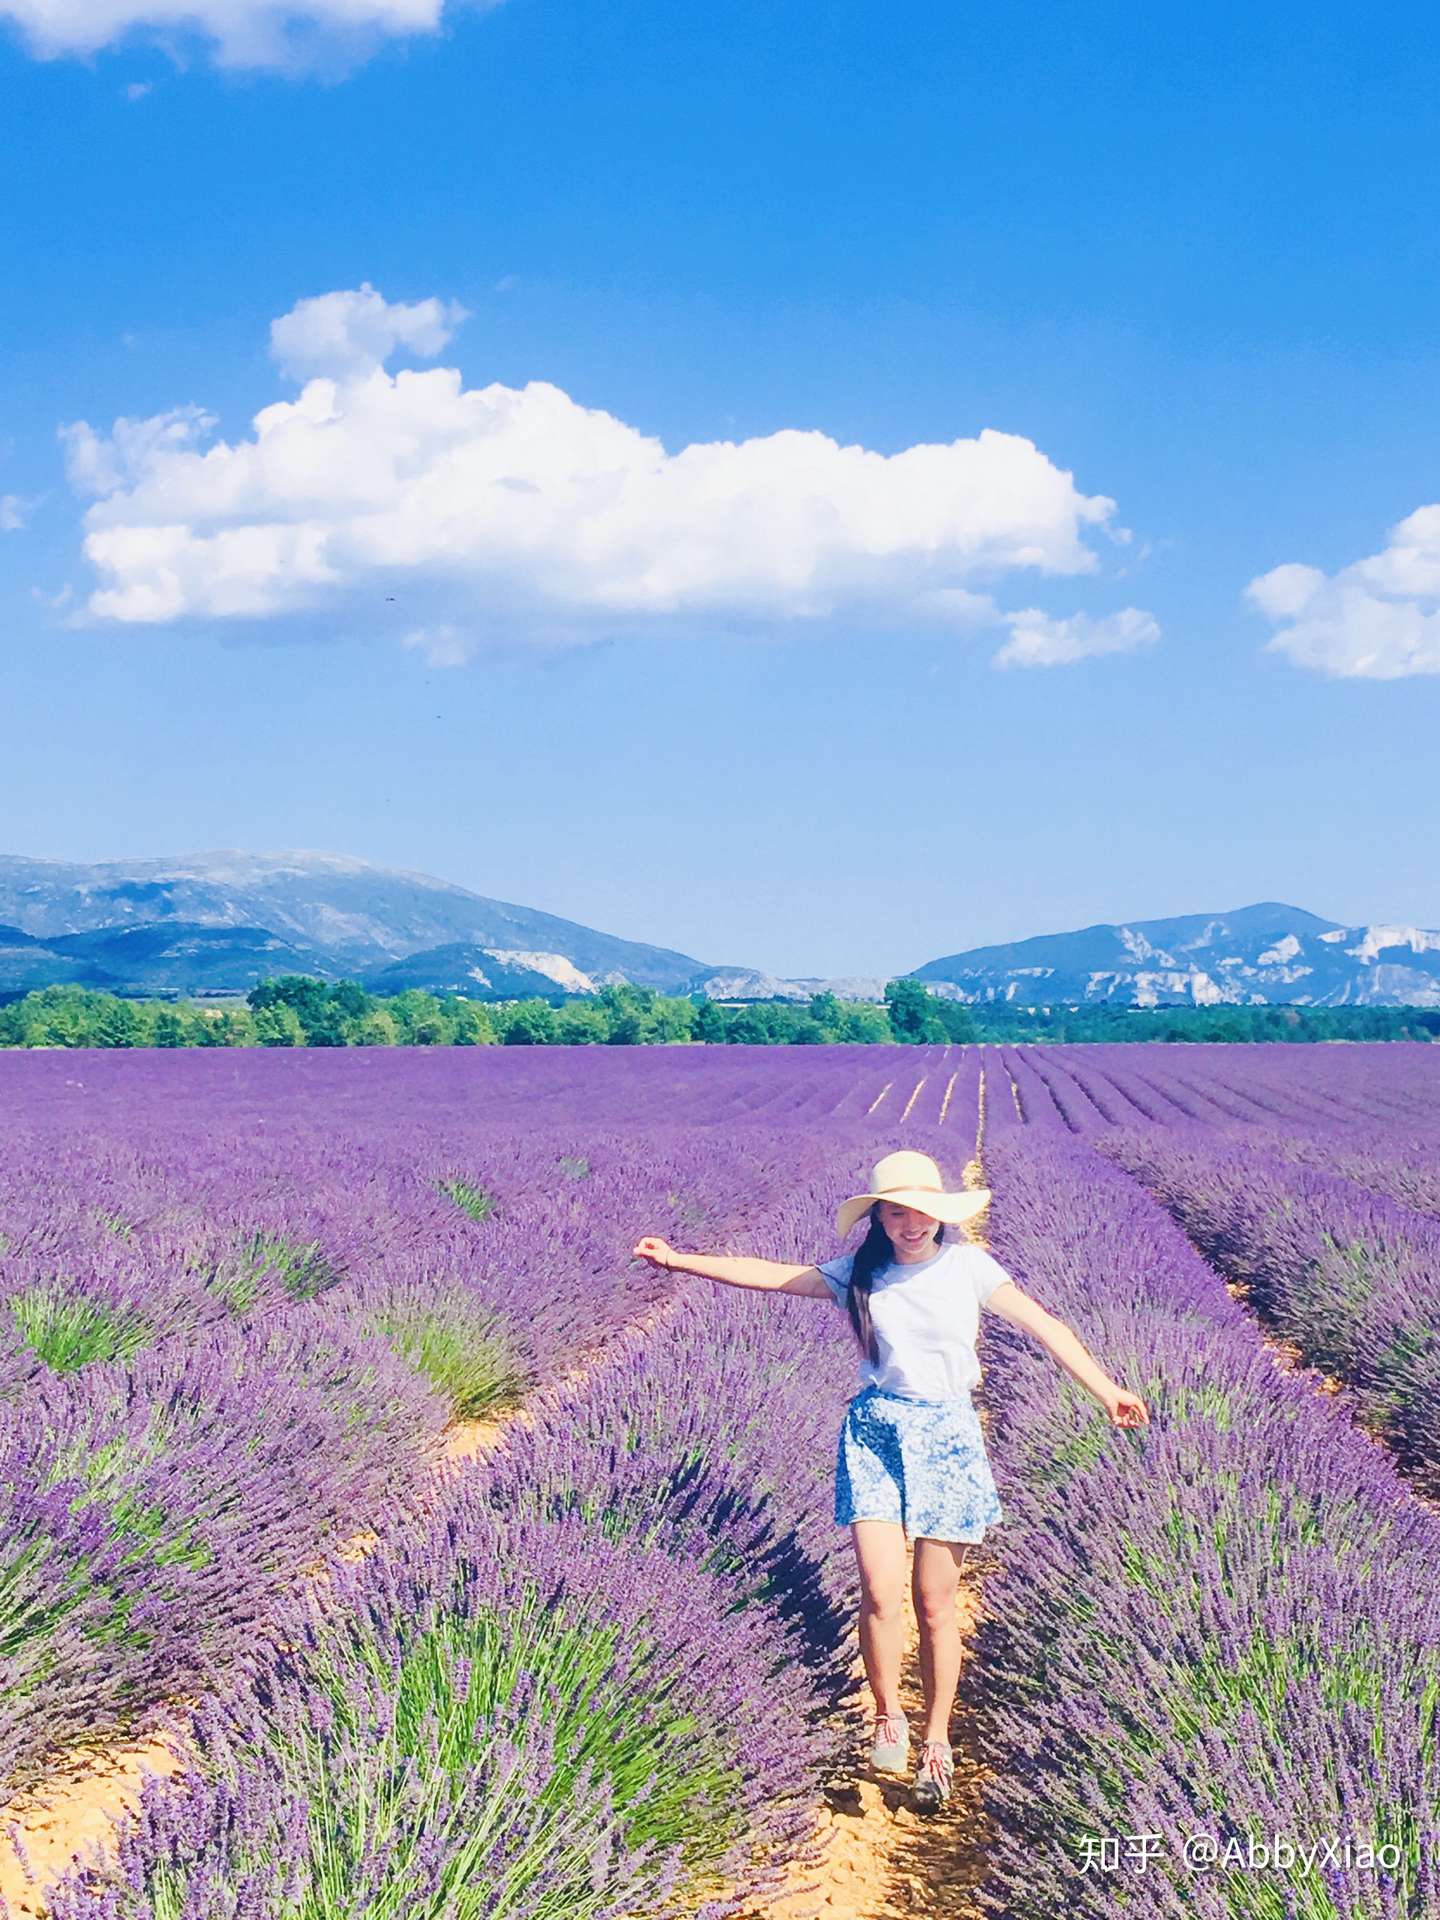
x=912 y=1180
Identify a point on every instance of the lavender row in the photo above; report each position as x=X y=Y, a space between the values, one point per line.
x=1403 y=1166
x=105 y=1251
x=1017 y=1096
x=150 y=1513
x=1310 y=1089
x=228 y=1189
x=1348 y=1275
x=1226 y=1624
x=1390 y=1085
x=1361 y=1305
x=333 y=1089
x=596 y=1683
x=145 y=1488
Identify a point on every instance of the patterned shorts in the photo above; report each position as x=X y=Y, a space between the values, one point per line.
x=921 y=1462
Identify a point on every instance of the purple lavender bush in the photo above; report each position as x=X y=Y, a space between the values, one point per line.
x=1351 y=1277
x=150 y=1513
x=687 y=1479
x=508 y=1719
x=1224 y=1624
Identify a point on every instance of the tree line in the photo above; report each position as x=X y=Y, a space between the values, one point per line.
x=298 y=1011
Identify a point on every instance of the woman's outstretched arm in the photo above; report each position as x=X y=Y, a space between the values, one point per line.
x=736 y=1270
x=1012 y=1303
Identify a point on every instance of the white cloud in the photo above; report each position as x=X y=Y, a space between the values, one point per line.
x=1378 y=619
x=15 y=510
x=353 y=333
x=522 y=508
x=1039 y=640
x=137 y=90
x=103 y=464
x=292 y=34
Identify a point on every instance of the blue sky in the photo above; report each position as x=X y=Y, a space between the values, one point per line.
x=745 y=703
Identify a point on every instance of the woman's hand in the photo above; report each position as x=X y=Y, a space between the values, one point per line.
x=1124 y=1408
x=657 y=1251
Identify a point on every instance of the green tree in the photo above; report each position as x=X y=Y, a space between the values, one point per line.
x=237 y=1027
x=630 y=1012
x=323 y=1026
x=913 y=1018
x=866 y=1024
x=61 y=1016
x=469 y=1023
x=529 y=1023
x=278 y=1025
x=206 y=1026
x=759 y=1025
x=419 y=1017
x=826 y=1012
x=325 y=1012
x=710 y=1023
x=350 y=1000
x=674 y=1021
x=579 y=1024
x=957 y=1021
x=170 y=1029
x=375 y=1029
x=297 y=990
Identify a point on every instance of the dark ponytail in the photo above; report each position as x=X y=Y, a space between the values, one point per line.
x=873 y=1253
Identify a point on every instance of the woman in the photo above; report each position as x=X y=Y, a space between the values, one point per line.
x=911 y=1457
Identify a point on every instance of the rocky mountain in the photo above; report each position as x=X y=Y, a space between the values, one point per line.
x=749 y=983
x=174 y=957
x=483 y=973
x=220 y=922
x=1267 y=954
x=292 y=912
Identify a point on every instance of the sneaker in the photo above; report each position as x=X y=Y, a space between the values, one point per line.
x=934 y=1775
x=890 y=1752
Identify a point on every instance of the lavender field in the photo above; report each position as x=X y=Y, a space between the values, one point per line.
x=600 y=1670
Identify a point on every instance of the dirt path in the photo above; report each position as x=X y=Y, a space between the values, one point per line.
x=881 y=1859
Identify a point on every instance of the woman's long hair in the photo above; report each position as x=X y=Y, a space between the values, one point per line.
x=874 y=1252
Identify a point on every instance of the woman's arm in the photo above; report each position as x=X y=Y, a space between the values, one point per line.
x=1012 y=1303
x=776 y=1276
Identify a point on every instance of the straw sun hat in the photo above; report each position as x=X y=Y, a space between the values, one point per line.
x=911 y=1180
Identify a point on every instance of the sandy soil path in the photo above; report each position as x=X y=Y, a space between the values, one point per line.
x=882 y=1860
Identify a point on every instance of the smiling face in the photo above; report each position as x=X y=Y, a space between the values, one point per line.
x=912 y=1233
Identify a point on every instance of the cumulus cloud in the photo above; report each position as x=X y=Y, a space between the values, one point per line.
x=15 y=510
x=239 y=33
x=1039 y=640
x=352 y=333
x=524 y=508
x=1378 y=619
x=104 y=463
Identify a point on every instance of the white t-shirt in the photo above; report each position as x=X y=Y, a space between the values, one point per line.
x=926 y=1317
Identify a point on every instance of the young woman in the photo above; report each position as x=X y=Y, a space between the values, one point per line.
x=911 y=1456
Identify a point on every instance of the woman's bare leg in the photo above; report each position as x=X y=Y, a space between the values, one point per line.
x=936 y=1579
x=880 y=1554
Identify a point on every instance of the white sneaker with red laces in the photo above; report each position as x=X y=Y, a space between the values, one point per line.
x=934 y=1775
x=890 y=1751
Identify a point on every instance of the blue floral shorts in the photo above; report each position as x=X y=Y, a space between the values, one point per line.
x=921 y=1462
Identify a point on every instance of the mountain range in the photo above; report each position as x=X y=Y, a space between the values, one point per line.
x=216 y=923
